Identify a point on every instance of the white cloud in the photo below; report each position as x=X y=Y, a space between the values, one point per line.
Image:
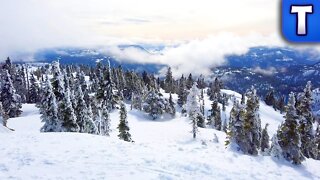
x=197 y=26
x=28 y=25
x=198 y=56
x=267 y=72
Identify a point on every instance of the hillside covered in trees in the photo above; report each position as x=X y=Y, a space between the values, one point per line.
x=104 y=101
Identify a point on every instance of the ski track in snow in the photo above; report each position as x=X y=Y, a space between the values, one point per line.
x=163 y=149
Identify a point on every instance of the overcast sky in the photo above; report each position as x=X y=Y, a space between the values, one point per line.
x=211 y=28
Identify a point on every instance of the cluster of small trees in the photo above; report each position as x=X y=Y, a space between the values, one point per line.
x=195 y=103
x=13 y=90
x=295 y=139
x=277 y=103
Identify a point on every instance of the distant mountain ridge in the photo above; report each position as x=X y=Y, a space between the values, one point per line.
x=91 y=57
x=276 y=57
x=263 y=57
x=278 y=68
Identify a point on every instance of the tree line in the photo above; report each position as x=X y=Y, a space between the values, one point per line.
x=75 y=98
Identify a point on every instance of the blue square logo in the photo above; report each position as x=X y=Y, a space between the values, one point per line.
x=301 y=20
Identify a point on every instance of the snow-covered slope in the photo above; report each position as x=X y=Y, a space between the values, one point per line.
x=4 y=129
x=163 y=149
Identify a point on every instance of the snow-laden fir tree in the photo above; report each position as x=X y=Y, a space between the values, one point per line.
x=49 y=110
x=90 y=126
x=57 y=81
x=169 y=82
x=11 y=102
x=265 y=146
x=182 y=92
x=189 y=82
x=252 y=124
x=306 y=121
x=8 y=66
x=201 y=101
x=93 y=87
x=3 y=117
x=275 y=150
x=111 y=99
x=281 y=104
x=243 y=99
x=214 y=90
x=123 y=125
x=105 y=121
x=33 y=90
x=224 y=116
x=84 y=114
x=193 y=108
x=20 y=84
x=270 y=99
x=101 y=117
x=288 y=135
x=154 y=104
x=80 y=81
x=170 y=106
x=67 y=114
x=136 y=101
x=235 y=132
x=201 y=84
x=214 y=119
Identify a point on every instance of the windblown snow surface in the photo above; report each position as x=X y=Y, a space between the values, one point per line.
x=163 y=149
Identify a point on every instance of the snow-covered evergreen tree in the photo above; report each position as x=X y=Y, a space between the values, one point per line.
x=169 y=82
x=288 y=135
x=49 y=110
x=224 y=116
x=306 y=121
x=214 y=90
x=154 y=105
x=193 y=108
x=105 y=121
x=252 y=124
x=123 y=125
x=3 y=117
x=265 y=146
x=275 y=150
x=136 y=101
x=201 y=84
x=243 y=99
x=281 y=104
x=189 y=82
x=20 y=84
x=90 y=126
x=33 y=90
x=57 y=81
x=67 y=114
x=235 y=133
x=214 y=119
x=11 y=102
x=270 y=99
x=84 y=114
x=111 y=99
x=182 y=92
x=170 y=106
